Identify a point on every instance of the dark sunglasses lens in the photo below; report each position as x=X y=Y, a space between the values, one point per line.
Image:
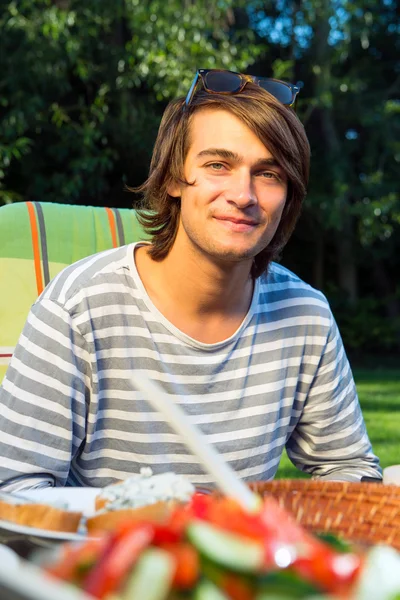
x=282 y=92
x=220 y=81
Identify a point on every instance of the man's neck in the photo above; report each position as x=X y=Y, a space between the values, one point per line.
x=205 y=300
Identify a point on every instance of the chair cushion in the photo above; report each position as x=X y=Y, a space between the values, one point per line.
x=37 y=241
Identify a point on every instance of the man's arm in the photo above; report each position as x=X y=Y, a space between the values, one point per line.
x=42 y=398
x=330 y=440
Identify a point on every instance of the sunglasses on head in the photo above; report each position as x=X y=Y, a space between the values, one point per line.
x=228 y=82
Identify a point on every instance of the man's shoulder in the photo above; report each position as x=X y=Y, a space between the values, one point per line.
x=100 y=269
x=279 y=284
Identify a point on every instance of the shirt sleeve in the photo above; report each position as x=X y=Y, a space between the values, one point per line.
x=44 y=395
x=330 y=440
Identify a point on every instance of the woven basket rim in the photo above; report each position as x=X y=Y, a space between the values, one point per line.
x=368 y=513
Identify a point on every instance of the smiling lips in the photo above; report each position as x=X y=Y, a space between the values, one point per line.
x=237 y=224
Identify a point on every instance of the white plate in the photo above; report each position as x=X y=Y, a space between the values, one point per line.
x=31 y=583
x=76 y=499
x=8 y=558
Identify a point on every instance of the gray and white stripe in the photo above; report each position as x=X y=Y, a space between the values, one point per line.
x=67 y=405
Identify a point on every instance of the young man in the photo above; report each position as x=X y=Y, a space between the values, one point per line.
x=249 y=351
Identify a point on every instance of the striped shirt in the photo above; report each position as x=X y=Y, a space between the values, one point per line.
x=68 y=406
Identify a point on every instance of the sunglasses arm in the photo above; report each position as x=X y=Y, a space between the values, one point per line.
x=191 y=91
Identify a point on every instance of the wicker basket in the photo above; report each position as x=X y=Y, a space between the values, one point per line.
x=366 y=513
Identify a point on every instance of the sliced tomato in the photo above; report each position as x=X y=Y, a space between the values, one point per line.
x=313 y=559
x=199 y=505
x=122 y=551
x=174 y=529
x=167 y=534
x=76 y=559
x=228 y=515
x=331 y=571
x=316 y=561
x=187 y=564
x=224 y=513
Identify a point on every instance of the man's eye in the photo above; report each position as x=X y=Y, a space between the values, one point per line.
x=216 y=166
x=269 y=175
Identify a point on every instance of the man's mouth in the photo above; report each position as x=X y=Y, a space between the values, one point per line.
x=237 y=220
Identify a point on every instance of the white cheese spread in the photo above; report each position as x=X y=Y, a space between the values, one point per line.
x=145 y=488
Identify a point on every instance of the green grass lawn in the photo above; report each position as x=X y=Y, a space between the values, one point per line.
x=379 y=394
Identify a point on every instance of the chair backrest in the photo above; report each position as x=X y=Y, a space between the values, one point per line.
x=37 y=240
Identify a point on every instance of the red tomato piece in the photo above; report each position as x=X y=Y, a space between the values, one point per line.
x=69 y=566
x=333 y=572
x=228 y=515
x=187 y=564
x=121 y=553
x=168 y=534
x=199 y=505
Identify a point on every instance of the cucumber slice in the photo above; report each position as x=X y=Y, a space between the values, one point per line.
x=208 y=591
x=273 y=597
x=227 y=549
x=285 y=583
x=335 y=542
x=152 y=576
x=278 y=596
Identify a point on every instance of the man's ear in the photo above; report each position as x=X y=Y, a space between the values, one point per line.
x=174 y=189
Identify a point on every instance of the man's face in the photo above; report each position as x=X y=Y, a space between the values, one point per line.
x=233 y=209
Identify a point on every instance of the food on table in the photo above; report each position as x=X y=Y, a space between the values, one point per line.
x=142 y=496
x=211 y=549
x=143 y=489
x=41 y=516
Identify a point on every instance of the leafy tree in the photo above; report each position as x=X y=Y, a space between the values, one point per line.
x=347 y=56
x=83 y=85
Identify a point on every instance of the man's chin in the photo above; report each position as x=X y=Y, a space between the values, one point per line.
x=230 y=255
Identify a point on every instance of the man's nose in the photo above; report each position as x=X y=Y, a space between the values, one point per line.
x=241 y=190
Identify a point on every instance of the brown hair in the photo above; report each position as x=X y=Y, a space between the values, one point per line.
x=278 y=128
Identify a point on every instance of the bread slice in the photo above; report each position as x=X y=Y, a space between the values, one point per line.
x=107 y=520
x=144 y=488
x=141 y=496
x=41 y=516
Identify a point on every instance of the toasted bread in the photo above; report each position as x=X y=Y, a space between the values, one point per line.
x=109 y=519
x=41 y=516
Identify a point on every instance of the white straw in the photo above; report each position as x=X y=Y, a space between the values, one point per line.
x=225 y=477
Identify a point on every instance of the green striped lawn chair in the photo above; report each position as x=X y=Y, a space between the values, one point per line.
x=37 y=240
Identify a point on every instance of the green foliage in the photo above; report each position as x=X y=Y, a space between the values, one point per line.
x=365 y=326
x=379 y=395
x=83 y=86
x=347 y=55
